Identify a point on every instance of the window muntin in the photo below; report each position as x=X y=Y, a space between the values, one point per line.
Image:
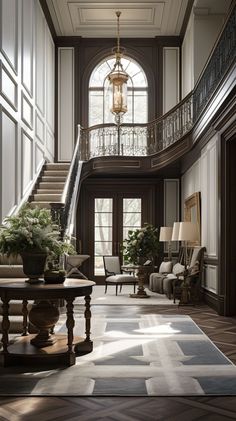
x=99 y=111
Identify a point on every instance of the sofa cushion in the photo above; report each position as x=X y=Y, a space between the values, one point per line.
x=165 y=267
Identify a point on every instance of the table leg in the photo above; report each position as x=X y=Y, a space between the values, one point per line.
x=85 y=346
x=5 y=324
x=70 y=322
x=25 y=317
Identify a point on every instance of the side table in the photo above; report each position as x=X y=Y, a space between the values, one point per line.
x=45 y=347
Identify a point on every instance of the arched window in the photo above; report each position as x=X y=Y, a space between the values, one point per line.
x=99 y=111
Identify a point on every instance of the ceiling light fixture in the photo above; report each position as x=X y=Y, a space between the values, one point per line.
x=118 y=79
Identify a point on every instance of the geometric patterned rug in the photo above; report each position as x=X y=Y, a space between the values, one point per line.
x=157 y=355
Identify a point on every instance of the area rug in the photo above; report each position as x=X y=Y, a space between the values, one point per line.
x=157 y=355
x=123 y=298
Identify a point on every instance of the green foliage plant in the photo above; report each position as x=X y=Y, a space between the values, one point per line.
x=141 y=245
x=32 y=230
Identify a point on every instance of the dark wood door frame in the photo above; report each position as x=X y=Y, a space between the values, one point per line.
x=151 y=190
x=227 y=252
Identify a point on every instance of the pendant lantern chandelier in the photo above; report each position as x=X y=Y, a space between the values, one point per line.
x=118 y=79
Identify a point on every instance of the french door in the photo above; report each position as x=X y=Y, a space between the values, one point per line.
x=114 y=216
x=107 y=211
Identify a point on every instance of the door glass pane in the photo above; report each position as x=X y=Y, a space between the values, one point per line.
x=132 y=216
x=102 y=232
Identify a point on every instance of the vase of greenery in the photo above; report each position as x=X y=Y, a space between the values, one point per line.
x=34 y=236
x=141 y=245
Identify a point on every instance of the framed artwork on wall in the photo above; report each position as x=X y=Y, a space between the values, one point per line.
x=192 y=213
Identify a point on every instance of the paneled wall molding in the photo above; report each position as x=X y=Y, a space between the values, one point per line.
x=171 y=78
x=171 y=206
x=66 y=88
x=9 y=42
x=8 y=87
x=26 y=101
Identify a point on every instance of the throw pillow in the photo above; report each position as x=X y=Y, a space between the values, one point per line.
x=195 y=268
x=177 y=268
x=165 y=267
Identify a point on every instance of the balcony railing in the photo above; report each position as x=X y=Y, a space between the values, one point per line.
x=153 y=137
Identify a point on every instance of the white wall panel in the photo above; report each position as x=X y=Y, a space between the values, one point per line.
x=8 y=87
x=9 y=38
x=50 y=77
x=170 y=77
x=26 y=57
x=26 y=111
x=8 y=163
x=27 y=161
x=187 y=60
x=39 y=156
x=171 y=205
x=65 y=103
x=40 y=59
x=49 y=142
x=210 y=279
x=39 y=128
x=27 y=45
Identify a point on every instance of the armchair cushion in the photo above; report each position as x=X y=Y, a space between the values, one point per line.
x=165 y=267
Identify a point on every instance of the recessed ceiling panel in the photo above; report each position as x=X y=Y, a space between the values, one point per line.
x=98 y=19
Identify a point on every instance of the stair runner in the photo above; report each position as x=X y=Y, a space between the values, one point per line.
x=51 y=185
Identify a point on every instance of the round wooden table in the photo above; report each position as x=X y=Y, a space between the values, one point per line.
x=45 y=346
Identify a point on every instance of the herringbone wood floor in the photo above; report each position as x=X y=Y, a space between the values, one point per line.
x=221 y=330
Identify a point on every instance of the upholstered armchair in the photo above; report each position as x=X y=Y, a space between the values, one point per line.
x=191 y=278
x=114 y=275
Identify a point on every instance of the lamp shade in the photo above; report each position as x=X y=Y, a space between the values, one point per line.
x=175 y=232
x=165 y=234
x=188 y=231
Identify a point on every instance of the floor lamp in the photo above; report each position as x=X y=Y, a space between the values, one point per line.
x=166 y=235
x=188 y=232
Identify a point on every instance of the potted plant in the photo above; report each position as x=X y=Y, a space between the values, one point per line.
x=34 y=235
x=141 y=245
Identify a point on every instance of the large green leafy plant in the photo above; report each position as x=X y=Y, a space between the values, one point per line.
x=141 y=245
x=32 y=229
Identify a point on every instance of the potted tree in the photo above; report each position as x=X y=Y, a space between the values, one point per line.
x=35 y=237
x=141 y=246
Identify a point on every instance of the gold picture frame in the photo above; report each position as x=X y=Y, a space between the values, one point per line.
x=192 y=213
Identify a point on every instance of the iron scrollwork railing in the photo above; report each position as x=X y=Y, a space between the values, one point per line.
x=137 y=139
x=153 y=137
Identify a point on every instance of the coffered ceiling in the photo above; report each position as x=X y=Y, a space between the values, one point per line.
x=97 y=18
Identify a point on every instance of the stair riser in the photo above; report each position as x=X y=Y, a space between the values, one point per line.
x=47 y=198
x=56 y=173
x=53 y=179
x=55 y=167
x=57 y=185
x=49 y=191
